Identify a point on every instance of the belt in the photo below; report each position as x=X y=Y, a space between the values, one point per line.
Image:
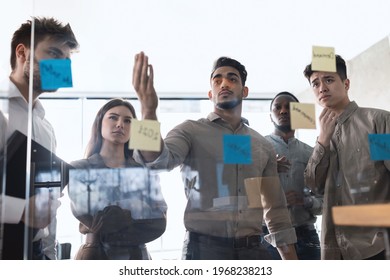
x=242 y=242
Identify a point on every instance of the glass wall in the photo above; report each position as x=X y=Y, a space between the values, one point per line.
x=73 y=132
x=53 y=90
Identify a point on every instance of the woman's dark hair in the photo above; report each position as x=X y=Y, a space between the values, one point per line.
x=95 y=142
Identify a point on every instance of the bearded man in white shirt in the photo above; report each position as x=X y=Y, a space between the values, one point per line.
x=51 y=40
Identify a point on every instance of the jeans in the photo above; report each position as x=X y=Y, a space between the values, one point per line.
x=204 y=248
x=307 y=246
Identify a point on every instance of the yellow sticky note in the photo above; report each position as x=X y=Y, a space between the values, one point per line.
x=145 y=135
x=302 y=115
x=323 y=59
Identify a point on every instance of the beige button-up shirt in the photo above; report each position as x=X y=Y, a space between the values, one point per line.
x=346 y=175
x=219 y=201
x=43 y=133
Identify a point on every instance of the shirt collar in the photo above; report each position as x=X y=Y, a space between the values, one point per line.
x=213 y=117
x=351 y=107
x=13 y=92
x=280 y=139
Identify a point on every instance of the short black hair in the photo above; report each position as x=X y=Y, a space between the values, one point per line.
x=341 y=69
x=282 y=93
x=227 y=61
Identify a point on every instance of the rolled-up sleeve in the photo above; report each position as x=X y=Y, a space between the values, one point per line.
x=276 y=215
x=13 y=209
x=316 y=169
x=281 y=238
x=161 y=162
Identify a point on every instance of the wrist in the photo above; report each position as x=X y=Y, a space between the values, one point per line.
x=149 y=115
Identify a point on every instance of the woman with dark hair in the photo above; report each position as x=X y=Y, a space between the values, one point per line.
x=114 y=228
x=112 y=111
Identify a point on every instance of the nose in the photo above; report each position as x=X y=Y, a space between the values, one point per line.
x=323 y=87
x=284 y=110
x=225 y=83
x=119 y=123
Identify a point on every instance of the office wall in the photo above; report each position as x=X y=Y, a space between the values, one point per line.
x=370 y=76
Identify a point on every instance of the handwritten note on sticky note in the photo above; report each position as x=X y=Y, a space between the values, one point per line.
x=237 y=149
x=55 y=73
x=302 y=115
x=323 y=59
x=379 y=146
x=145 y=135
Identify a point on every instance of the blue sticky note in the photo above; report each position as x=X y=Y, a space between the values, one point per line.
x=55 y=73
x=237 y=149
x=379 y=146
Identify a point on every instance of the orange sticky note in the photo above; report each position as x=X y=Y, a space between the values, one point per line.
x=145 y=135
x=323 y=59
x=302 y=115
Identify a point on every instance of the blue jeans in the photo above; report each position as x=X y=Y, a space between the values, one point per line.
x=199 y=247
x=307 y=246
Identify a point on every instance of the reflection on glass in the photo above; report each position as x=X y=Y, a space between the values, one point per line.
x=120 y=209
x=134 y=189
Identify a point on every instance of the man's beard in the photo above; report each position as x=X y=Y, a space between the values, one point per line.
x=37 y=87
x=283 y=128
x=226 y=105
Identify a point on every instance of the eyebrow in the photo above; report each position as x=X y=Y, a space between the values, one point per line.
x=115 y=114
x=57 y=50
x=281 y=103
x=229 y=74
x=324 y=77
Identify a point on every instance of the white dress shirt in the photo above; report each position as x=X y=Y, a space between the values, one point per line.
x=42 y=133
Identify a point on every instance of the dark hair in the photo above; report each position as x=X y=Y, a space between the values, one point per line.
x=341 y=69
x=43 y=27
x=282 y=93
x=227 y=61
x=95 y=142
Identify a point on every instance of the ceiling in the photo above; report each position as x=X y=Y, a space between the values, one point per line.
x=272 y=38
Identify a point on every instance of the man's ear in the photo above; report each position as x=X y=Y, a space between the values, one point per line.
x=346 y=84
x=210 y=94
x=21 y=52
x=245 y=92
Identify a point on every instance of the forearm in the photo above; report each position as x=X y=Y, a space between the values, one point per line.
x=287 y=252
